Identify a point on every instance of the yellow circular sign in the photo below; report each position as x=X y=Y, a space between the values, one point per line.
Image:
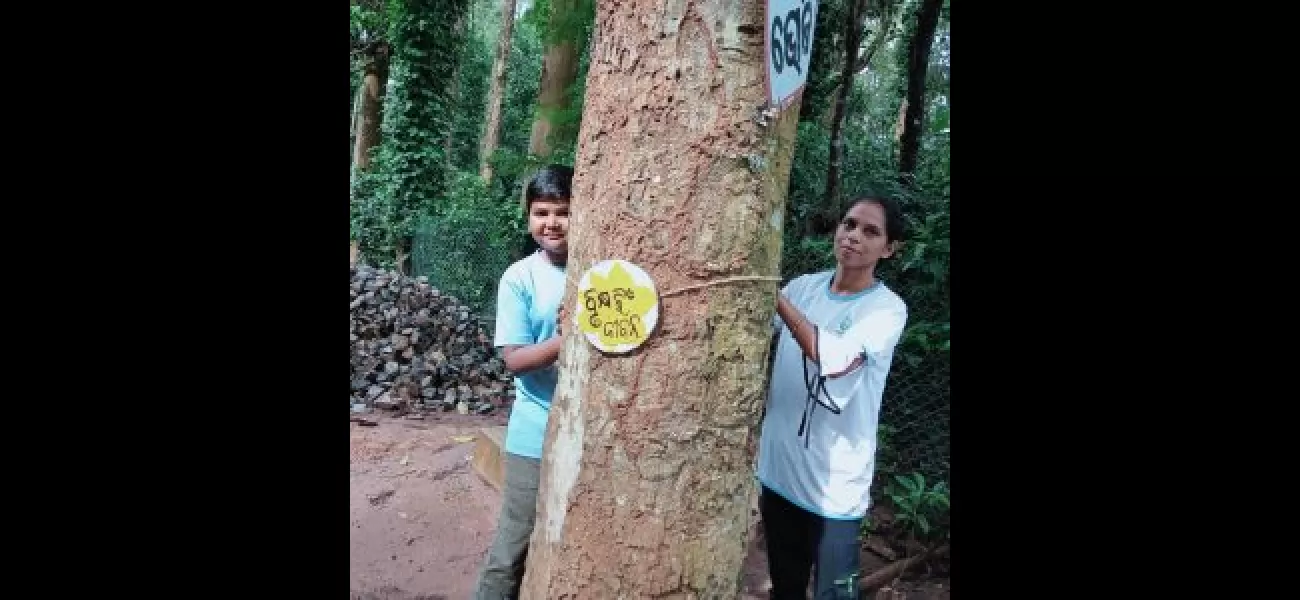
x=618 y=306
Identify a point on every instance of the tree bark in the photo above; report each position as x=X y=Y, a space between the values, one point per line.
x=369 y=116
x=918 y=63
x=372 y=107
x=449 y=132
x=454 y=101
x=852 y=39
x=492 y=131
x=647 y=471
x=559 y=71
x=356 y=118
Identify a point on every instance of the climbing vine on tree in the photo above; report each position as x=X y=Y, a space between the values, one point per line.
x=409 y=173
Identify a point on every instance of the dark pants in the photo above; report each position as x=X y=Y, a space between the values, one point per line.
x=504 y=570
x=798 y=541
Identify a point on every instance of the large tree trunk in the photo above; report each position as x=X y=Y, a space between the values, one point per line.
x=647 y=472
x=426 y=37
x=372 y=107
x=454 y=97
x=918 y=64
x=356 y=117
x=370 y=111
x=559 y=71
x=492 y=132
x=852 y=39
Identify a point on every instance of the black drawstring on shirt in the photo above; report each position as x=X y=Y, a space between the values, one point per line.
x=816 y=391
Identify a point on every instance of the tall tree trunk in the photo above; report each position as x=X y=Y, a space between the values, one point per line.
x=888 y=12
x=827 y=56
x=647 y=471
x=852 y=39
x=559 y=71
x=372 y=107
x=492 y=131
x=356 y=118
x=449 y=132
x=427 y=38
x=456 y=102
x=918 y=64
x=369 y=115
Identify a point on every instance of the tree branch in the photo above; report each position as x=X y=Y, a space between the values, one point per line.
x=863 y=62
x=895 y=570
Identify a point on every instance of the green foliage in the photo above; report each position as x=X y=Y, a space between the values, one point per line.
x=499 y=224
x=369 y=20
x=572 y=26
x=465 y=244
x=474 y=230
x=827 y=60
x=369 y=29
x=523 y=78
x=567 y=123
x=886 y=451
x=922 y=510
x=801 y=252
x=407 y=173
x=473 y=82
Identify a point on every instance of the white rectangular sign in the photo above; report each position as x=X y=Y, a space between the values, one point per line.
x=789 y=32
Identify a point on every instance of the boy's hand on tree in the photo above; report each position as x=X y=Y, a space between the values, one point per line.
x=559 y=320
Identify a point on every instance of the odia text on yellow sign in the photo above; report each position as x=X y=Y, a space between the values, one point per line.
x=617 y=306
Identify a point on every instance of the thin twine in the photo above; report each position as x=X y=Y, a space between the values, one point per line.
x=719 y=281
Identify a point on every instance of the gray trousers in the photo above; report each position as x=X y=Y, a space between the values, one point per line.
x=504 y=570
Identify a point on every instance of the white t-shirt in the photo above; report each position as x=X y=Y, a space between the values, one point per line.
x=827 y=469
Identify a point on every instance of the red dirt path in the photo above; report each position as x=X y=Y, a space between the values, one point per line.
x=422 y=519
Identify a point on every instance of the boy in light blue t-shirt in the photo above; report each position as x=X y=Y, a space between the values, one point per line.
x=528 y=332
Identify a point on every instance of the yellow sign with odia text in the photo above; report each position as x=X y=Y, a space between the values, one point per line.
x=618 y=306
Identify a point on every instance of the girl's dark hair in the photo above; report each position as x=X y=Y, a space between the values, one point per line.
x=895 y=226
x=552 y=181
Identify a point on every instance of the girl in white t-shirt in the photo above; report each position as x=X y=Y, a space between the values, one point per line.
x=837 y=331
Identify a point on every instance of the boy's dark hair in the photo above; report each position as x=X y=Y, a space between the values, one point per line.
x=895 y=225
x=551 y=182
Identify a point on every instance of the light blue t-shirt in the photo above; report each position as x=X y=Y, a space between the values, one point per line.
x=528 y=303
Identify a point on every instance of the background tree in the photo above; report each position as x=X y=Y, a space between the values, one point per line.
x=565 y=21
x=918 y=68
x=408 y=170
x=370 y=54
x=492 y=130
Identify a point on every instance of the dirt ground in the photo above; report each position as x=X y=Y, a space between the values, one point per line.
x=422 y=519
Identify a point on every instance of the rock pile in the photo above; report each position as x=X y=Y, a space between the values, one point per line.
x=414 y=348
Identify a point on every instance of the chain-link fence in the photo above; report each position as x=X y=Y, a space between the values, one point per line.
x=914 y=421
x=462 y=261
x=914 y=414
x=915 y=411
